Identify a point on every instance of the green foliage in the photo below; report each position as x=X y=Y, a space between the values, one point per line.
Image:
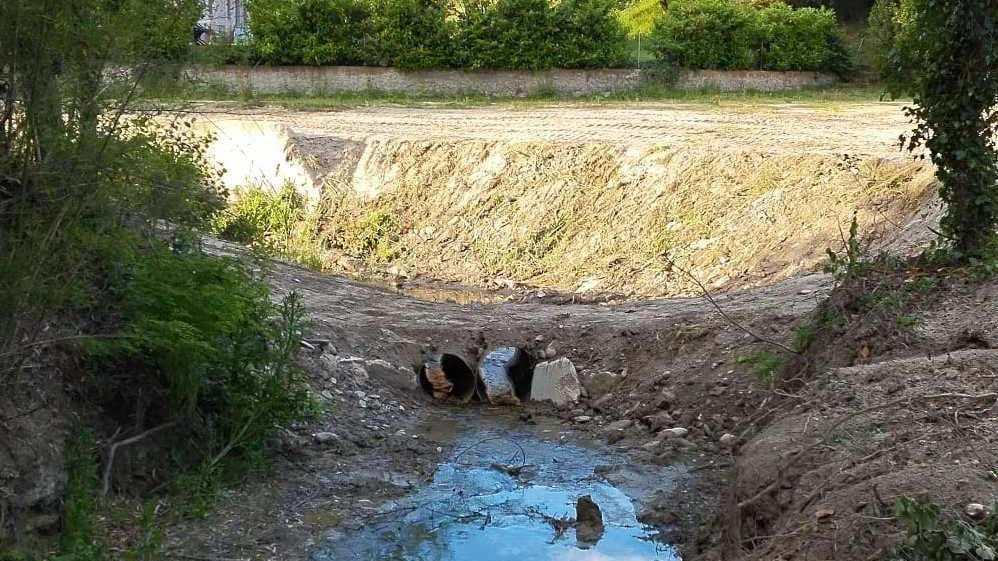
x=931 y=537
x=711 y=34
x=507 y=34
x=638 y=19
x=729 y=35
x=79 y=516
x=889 y=21
x=313 y=31
x=202 y=332
x=851 y=263
x=375 y=235
x=588 y=34
x=802 y=39
x=945 y=58
x=413 y=34
x=88 y=200
x=803 y=337
x=763 y=365
x=274 y=223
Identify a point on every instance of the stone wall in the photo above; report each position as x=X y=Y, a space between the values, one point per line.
x=317 y=80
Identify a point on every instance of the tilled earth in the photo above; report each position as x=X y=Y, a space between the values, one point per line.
x=854 y=128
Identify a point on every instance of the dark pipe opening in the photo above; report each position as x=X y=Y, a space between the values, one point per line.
x=521 y=373
x=446 y=376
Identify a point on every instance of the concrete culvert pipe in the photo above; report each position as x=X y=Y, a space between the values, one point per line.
x=505 y=376
x=447 y=377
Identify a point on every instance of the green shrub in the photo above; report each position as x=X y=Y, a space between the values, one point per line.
x=275 y=223
x=507 y=34
x=413 y=34
x=710 y=34
x=762 y=364
x=589 y=34
x=313 y=32
x=796 y=39
x=890 y=25
x=375 y=235
x=730 y=35
x=200 y=342
x=79 y=510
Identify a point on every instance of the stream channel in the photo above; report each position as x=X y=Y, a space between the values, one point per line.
x=508 y=492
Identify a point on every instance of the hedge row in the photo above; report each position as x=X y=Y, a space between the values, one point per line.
x=414 y=34
x=732 y=35
x=540 y=34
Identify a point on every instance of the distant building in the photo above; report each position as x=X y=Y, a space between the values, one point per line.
x=224 y=20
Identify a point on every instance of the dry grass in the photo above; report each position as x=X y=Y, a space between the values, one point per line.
x=557 y=214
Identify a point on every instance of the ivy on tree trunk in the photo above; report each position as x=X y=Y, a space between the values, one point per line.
x=948 y=59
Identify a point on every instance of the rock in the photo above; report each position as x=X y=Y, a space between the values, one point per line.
x=495 y=381
x=619 y=426
x=40 y=523
x=351 y=368
x=390 y=375
x=556 y=381
x=588 y=284
x=728 y=440
x=325 y=437
x=682 y=444
x=588 y=520
x=603 y=401
x=823 y=513
x=582 y=419
x=614 y=437
x=976 y=511
x=677 y=432
x=658 y=421
x=600 y=384
x=653 y=445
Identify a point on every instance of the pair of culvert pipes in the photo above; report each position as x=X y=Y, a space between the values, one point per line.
x=503 y=377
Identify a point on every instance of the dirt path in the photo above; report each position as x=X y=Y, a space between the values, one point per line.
x=853 y=128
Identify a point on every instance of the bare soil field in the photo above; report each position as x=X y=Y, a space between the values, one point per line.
x=840 y=128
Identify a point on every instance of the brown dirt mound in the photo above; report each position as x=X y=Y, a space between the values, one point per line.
x=911 y=412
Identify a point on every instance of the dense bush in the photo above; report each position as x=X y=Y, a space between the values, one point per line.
x=797 y=39
x=414 y=34
x=506 y=34
x=731 y=35
x=99 y=265
x=712 y=34
x=890 y=24
x=588 y=34
x=201 y=343
x=313 y=31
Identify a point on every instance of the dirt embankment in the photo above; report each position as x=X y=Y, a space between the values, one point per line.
x=600 y=201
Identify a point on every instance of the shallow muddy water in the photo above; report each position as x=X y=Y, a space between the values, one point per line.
x=505 y=494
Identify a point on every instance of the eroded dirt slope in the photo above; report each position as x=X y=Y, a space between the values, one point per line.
x=597 y=201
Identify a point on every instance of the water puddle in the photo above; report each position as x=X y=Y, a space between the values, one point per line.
x=507 y=494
